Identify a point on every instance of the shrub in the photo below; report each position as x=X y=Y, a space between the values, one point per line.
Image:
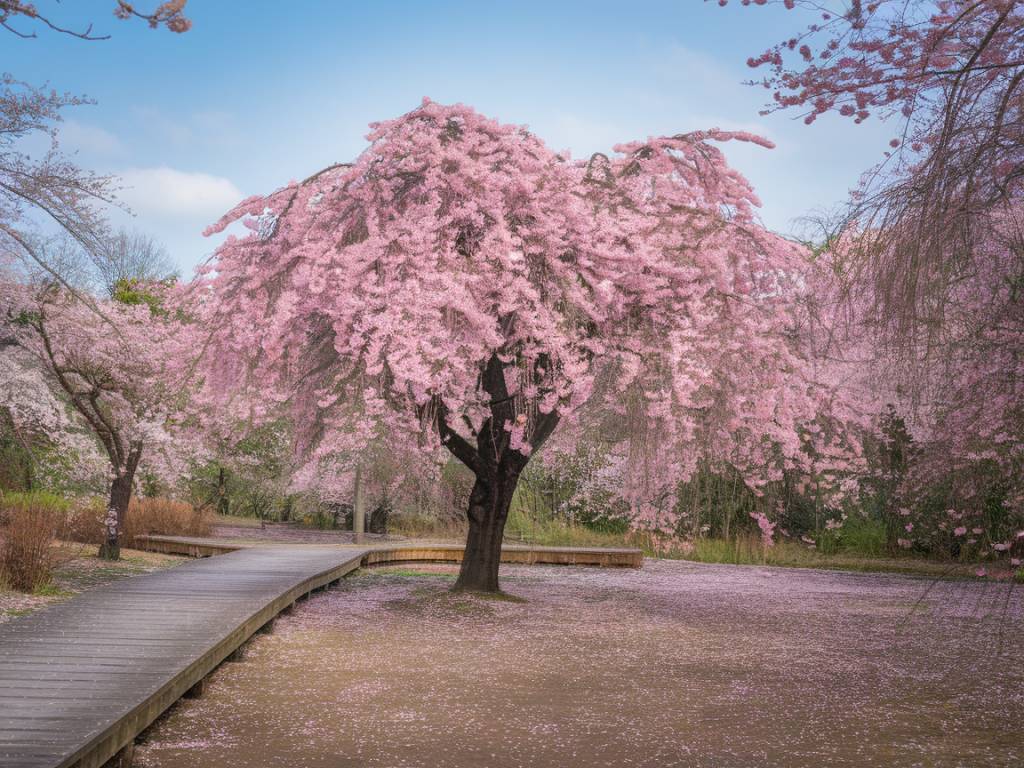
x=31 y=522
x=145 y=516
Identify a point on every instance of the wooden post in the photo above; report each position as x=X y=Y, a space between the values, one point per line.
x=359 y=507
x=196 y=690
x=123 y=758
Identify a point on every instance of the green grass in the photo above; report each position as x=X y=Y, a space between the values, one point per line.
x=857 y=536
x=411 y=573
x=859 y=546
x=50 y=590
x=550 y=532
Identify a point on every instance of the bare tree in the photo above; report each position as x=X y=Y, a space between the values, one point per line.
x=130 y=255
x=49 y=192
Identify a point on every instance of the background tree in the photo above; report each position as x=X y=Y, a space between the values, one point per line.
x=54 y=235
x=112 y=363
x=929 y=254
x=127 y=257
x=949 y=77
x=462 y=283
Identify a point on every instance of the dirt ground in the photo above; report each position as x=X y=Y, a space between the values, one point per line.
x=677 y=664
x=81 y=571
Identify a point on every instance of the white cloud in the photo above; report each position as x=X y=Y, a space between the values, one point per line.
x=75 y=136
x=175 y=207
x=169 y=193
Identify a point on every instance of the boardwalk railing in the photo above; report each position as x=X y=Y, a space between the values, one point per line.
x=80 y=680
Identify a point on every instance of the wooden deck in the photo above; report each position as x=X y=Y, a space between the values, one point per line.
x=80 y=680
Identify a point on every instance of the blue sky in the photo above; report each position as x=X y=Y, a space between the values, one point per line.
x=259 y=93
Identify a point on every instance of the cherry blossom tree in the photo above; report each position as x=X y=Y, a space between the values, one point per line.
x=461 y=284
x=57 y=450
x=113 y=363
x=930 y=249
x=970 y=429
x=949 y=77
x=47 y=193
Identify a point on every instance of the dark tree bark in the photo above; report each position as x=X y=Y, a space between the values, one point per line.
x=489 y=504
x=117 y=507
x=497 y=467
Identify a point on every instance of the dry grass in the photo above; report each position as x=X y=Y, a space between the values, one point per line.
x=167 y=517
x=145 y=516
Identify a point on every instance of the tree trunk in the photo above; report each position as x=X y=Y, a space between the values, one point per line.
x=497 y=466
x=359 y=506
x=489 y=504
x=223 y=503
x=117 y=510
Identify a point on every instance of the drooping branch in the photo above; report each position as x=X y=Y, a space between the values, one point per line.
x=459 y=447
x=169 y=14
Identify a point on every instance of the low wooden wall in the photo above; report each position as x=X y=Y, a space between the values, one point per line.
x=386 y=554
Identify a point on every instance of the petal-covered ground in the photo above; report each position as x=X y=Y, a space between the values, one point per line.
x=675 y=664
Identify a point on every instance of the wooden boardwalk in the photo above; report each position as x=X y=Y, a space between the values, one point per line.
x=80 y=680
x=382 y=554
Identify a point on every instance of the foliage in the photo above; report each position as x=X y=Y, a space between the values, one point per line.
x=16 y=457
x=246 y=473
x=133 y=292
x=858 y=535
